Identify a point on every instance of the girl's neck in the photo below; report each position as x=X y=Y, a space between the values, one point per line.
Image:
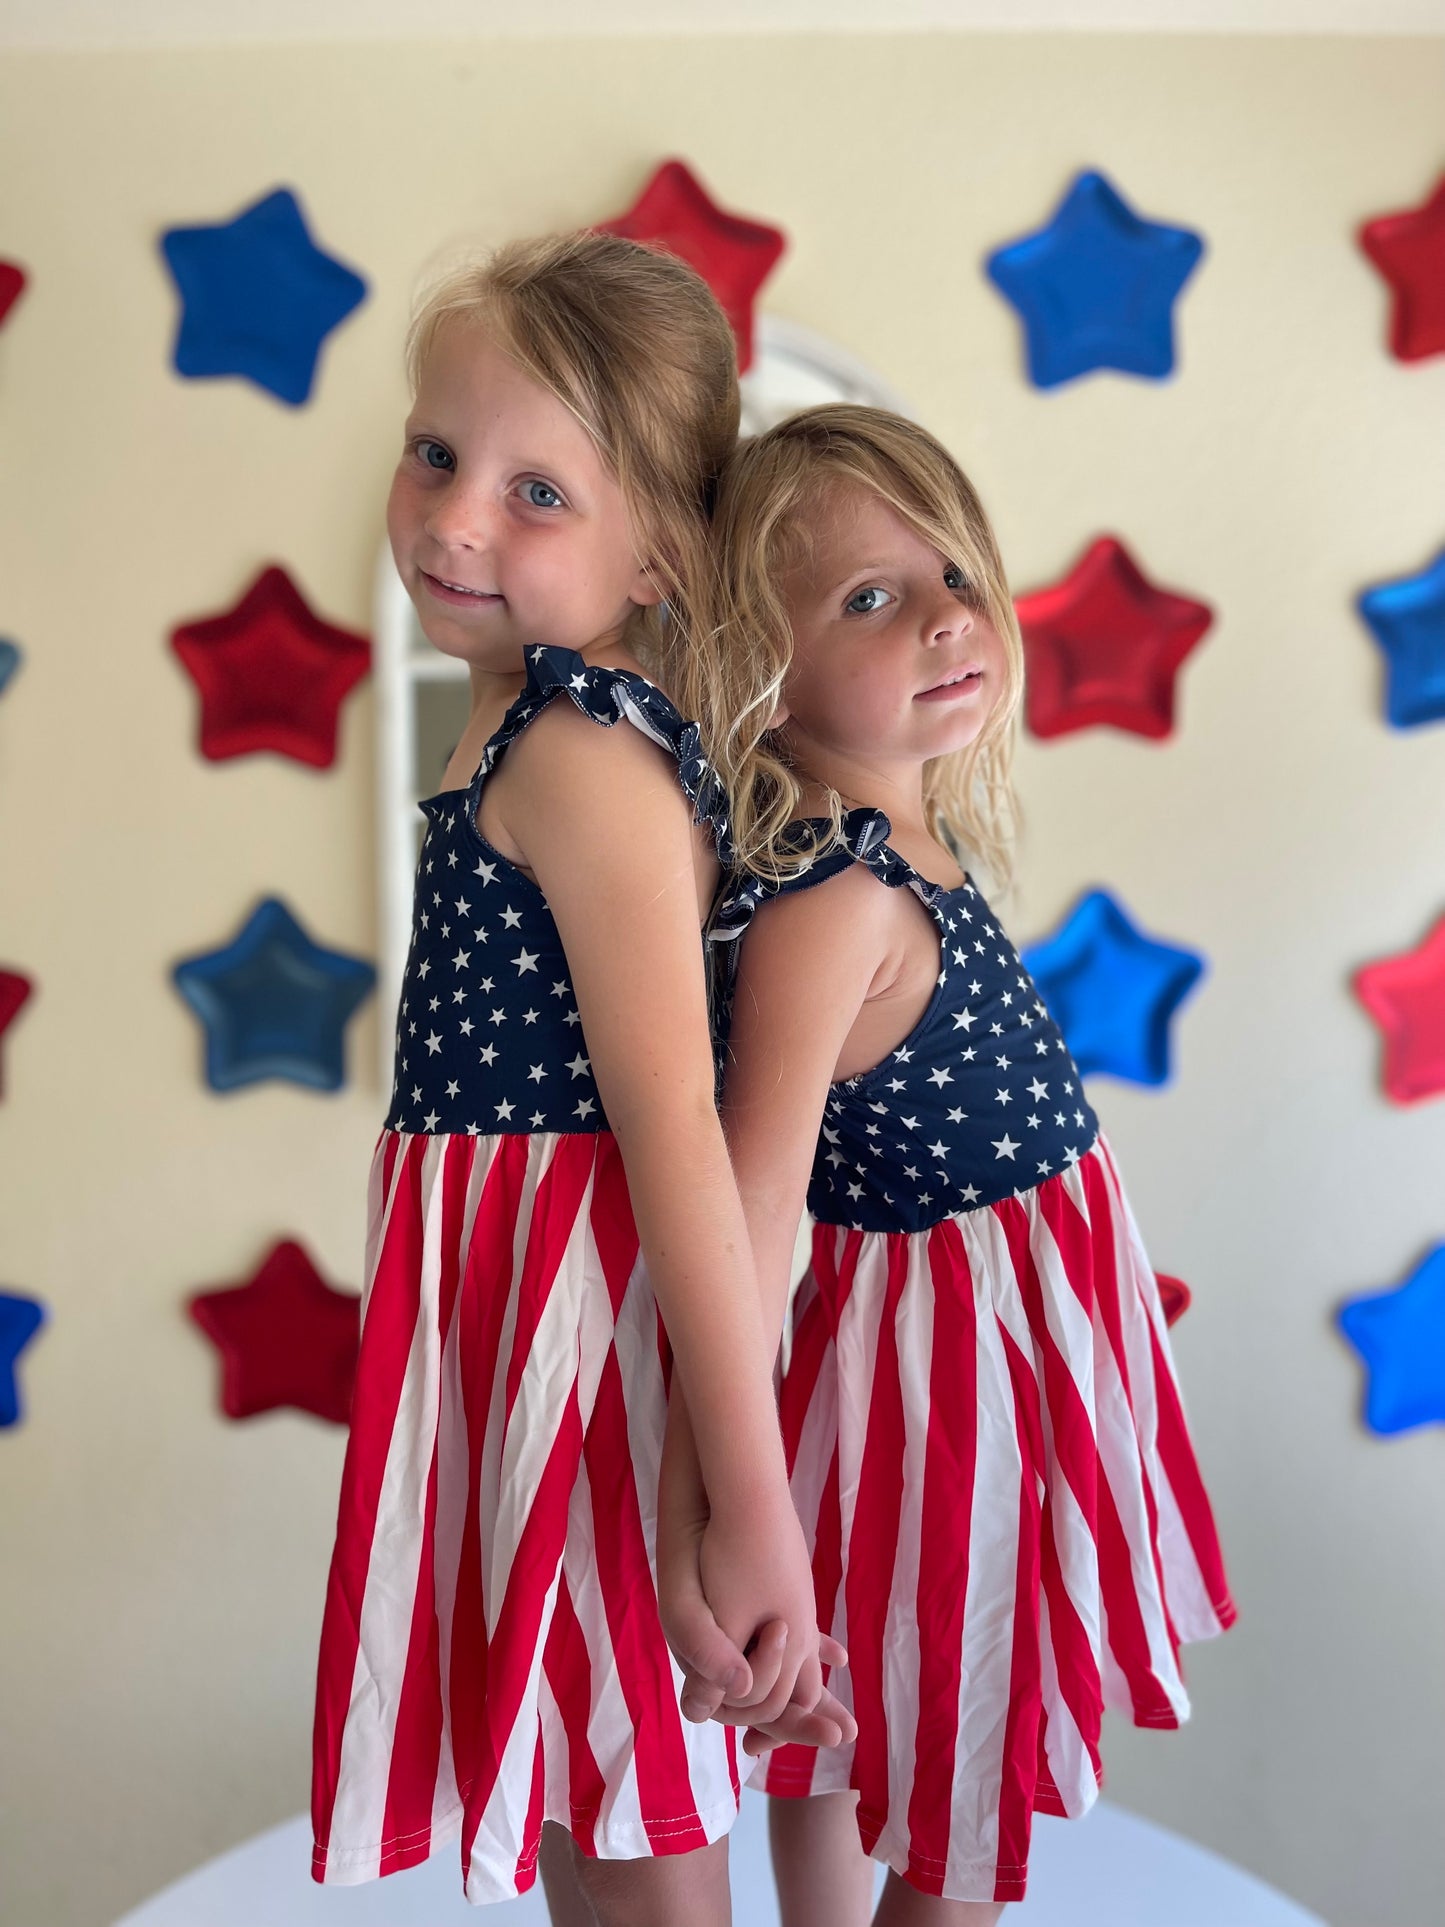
x=896 y=788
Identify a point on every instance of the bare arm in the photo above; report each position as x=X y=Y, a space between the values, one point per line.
x=605 y=829
x=806 y=969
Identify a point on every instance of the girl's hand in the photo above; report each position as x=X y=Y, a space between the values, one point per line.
x=754 y=1572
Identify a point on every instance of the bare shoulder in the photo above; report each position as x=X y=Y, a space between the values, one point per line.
x=850 y=912
x=563 y=750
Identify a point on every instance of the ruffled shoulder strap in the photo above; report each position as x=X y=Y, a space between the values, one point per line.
x=608 y=696
x=862 y=838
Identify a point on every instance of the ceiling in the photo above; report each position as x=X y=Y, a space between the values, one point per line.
x=140 y=23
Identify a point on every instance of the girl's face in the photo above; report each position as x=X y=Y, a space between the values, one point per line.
x=507 y=526
x=891 y=659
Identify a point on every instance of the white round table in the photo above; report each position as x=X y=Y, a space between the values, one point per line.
x=1109 y=1870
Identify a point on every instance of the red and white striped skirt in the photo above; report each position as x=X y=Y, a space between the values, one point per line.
x=491 y=1654
x=1008 y=1526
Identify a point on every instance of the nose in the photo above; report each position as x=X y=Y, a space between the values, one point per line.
x=459 y=518
x=949 y=619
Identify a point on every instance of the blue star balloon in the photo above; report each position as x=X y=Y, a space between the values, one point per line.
x=1400 y=1335
x=1408 y=620
x=10 y=660
x=274 y=1003
x=258 y=297
x=20 y=1319
x=1096 y=287
x=1112 y=990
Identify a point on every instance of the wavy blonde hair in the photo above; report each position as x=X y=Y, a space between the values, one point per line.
x=634 y=344
x=771 y=490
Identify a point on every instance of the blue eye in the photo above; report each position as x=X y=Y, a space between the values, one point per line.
x=435 y=454
x=541 y=495
x=859 y=603
x=955 y=579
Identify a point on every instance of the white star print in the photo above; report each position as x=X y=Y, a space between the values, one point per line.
x=939 y=1150
x=585 y=1108
x=526 y=960
x=429 y=1122
x=1004 y=1146
x=453 y=1089
x=579 y=1065
x=489 y=1055
x=433 y=1044
x=536 y=1074
x=1038 y=1090
x=460 y=960
x=940 y=1077
x=511 y=918
x=505 y=1110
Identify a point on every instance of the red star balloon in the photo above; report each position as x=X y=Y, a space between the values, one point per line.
x=14 y=989
x=1406 y=997
x=1104 y=646
x=1174 y=1295
x=285 y=1338
x=271 y=674
x=12 y=280
x=1409 y=250
x=732 y=254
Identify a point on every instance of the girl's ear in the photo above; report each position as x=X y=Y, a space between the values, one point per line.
x=646 y=590
x=781 y=714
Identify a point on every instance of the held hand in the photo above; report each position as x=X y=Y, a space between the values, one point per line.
x=713 y=1666
x=756 y=1577
x=829 y=1724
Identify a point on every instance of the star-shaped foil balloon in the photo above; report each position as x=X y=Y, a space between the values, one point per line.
x=20 y=1319
x=285 y=1337
x=1400 y=1335
x=1096 y=287
x=732 y=254
x=274 y=1004
x=14 y=991
x=1408 y=248
x=1174 y=1295
x=258 y=297
x=271 y=674
x=1104 y=645
x=1406 y=997
x=1407 y=618
x=1113 y=990
x=12 y=285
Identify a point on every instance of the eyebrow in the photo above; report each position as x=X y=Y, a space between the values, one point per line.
x=863 y=568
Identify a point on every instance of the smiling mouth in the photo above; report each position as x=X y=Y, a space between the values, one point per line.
x=435 y=582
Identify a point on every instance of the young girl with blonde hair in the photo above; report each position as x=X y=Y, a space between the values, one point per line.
x=552 y=1180
x=984 y=1434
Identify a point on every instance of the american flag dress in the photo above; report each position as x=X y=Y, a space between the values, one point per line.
x=491 y=1653
x=984 y=1433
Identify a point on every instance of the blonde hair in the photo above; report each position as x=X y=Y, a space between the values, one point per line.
x=634 y=344
x=769 y=490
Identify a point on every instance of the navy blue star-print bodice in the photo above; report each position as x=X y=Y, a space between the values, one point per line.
x=489 y=1040
x=980 y=1101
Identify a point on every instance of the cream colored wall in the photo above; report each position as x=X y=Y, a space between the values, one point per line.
x=163 y=1570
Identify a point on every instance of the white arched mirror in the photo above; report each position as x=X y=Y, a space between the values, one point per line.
x=422 y=698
